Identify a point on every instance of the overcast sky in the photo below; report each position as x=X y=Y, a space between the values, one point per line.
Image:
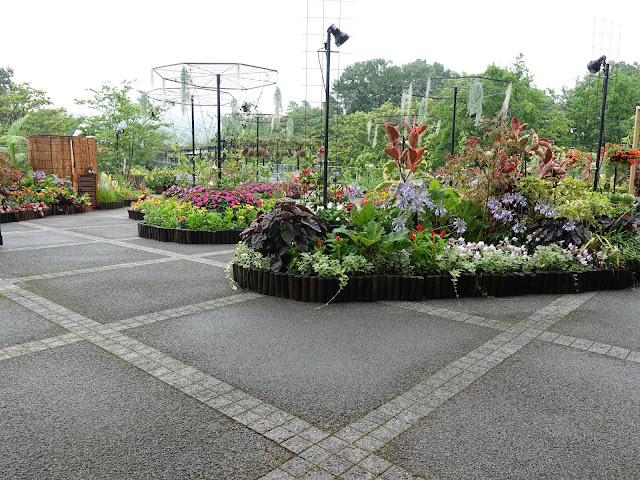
x=67 y=46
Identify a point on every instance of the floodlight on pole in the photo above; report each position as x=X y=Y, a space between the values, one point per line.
x=594 y=66
x=339 y=38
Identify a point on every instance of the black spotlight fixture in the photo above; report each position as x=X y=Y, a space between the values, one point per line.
x=594 y=66
x=339 y=38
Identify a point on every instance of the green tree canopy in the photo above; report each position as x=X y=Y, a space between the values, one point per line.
x=141 y=136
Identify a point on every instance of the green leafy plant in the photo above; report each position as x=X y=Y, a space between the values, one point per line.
x=286 y=225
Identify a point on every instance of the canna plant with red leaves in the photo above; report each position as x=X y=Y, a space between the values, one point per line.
x=407 y=163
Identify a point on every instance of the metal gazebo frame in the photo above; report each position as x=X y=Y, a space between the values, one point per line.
x=206 y=79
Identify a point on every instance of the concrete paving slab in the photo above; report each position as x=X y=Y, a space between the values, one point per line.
x=504 y=309
x=328 y=366
x=124 y=293
x=611 y=317
x=19 y=325
x=9 y=228
x=33 y=238
x=181 y=248
x=93 y=217
x=77 y=412
x=114 y=230
x=546 y=412
x=64 y=258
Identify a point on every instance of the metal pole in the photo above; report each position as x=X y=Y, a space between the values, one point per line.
x=193 y=141
x=326 y=122
x=605 y=81
x=634 y=145
x=219 y=138
x=257 y=138
x=453 y=130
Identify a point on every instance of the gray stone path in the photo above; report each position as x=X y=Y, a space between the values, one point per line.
x=122 y=357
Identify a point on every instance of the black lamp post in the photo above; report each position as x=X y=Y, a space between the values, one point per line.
x=340 y=38
x=594 y=66
x=575 y=137
x=119 y=131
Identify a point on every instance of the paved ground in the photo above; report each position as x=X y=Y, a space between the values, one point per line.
x=126 y=358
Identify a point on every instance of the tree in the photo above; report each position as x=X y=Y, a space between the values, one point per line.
x=17 y=101
x=366 y=85
x=51 y=121
x=125 y=137
x=5 y=79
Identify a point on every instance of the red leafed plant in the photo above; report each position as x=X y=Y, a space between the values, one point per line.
x=406 y=162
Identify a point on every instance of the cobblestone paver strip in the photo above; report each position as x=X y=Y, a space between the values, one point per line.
x=430 y=309
x=81 y=271
x=49 y=343
x=44 y=247
x=154 y=317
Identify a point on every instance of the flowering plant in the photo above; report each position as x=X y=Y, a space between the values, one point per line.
x=212 y=198
x=622 y=154
x=407 y=162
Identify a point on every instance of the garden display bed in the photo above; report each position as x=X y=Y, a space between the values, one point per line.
x=135 y=215
x=183 y=235
x=372 y=288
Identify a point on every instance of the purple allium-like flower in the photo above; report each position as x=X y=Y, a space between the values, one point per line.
x=398 y=223
x=460 y=225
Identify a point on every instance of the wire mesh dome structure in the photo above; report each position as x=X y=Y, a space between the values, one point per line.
x=473 y=89
x=203 y=85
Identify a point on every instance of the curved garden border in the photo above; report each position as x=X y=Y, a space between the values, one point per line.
x=183 y=235
x=114 y=205
x=372 y=288
x=135 y=215
x=24 y=215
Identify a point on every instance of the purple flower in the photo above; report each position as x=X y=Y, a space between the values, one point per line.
x=460 y=225
x=398 y=223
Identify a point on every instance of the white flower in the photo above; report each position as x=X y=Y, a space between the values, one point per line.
x=339 y=207
x=477 y=257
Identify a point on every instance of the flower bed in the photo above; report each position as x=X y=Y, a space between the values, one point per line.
x=212 y=198
x=372 y=288
x=188 y=236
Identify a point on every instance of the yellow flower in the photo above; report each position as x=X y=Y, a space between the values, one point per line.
x=249 y=207
x=241 y=217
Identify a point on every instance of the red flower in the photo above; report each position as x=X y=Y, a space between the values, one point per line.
x=337 y=238
x=419 y=228
x=412 y=235
x=320 y=150
x=433 y=234
x=319 y=244
x=103 y=149
x=442 y=233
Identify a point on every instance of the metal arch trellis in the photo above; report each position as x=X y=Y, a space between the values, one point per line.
x=456 y=88
x=207 y=82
